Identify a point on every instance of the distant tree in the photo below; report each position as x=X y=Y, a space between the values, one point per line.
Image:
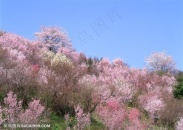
x=53 y=38
x=160 y=61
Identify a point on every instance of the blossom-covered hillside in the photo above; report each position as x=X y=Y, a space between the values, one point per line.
x=45 y=78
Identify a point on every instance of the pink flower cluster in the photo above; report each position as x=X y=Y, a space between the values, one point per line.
x=83 y=119
x=14 y=113
x=179 y=124
x=112 y=114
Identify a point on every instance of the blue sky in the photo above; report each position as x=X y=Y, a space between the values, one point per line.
x=126 y=29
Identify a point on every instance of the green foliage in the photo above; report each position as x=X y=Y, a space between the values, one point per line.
x=57 y=122
x=2 y=96
x=178 y=92
x=96 y=126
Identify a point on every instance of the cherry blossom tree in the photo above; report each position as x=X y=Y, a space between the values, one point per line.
x=71 y=54
x=152 y=103
x=160 y=61
x=53 y=38
x=20 y=47
x=112 y=114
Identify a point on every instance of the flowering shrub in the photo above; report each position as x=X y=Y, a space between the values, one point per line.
x=152 y=104
x=134 y=114
x=13 y=108
x=112 y=114
x=32 y=113
x=82 y=119
x=134 y=120
x=14 y=113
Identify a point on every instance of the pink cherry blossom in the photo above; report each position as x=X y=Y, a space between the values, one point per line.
x=179 y=124
x=14 y=113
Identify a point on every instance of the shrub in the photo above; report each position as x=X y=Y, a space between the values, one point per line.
x=14 y=113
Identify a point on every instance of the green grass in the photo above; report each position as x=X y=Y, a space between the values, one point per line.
x=58 y=123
